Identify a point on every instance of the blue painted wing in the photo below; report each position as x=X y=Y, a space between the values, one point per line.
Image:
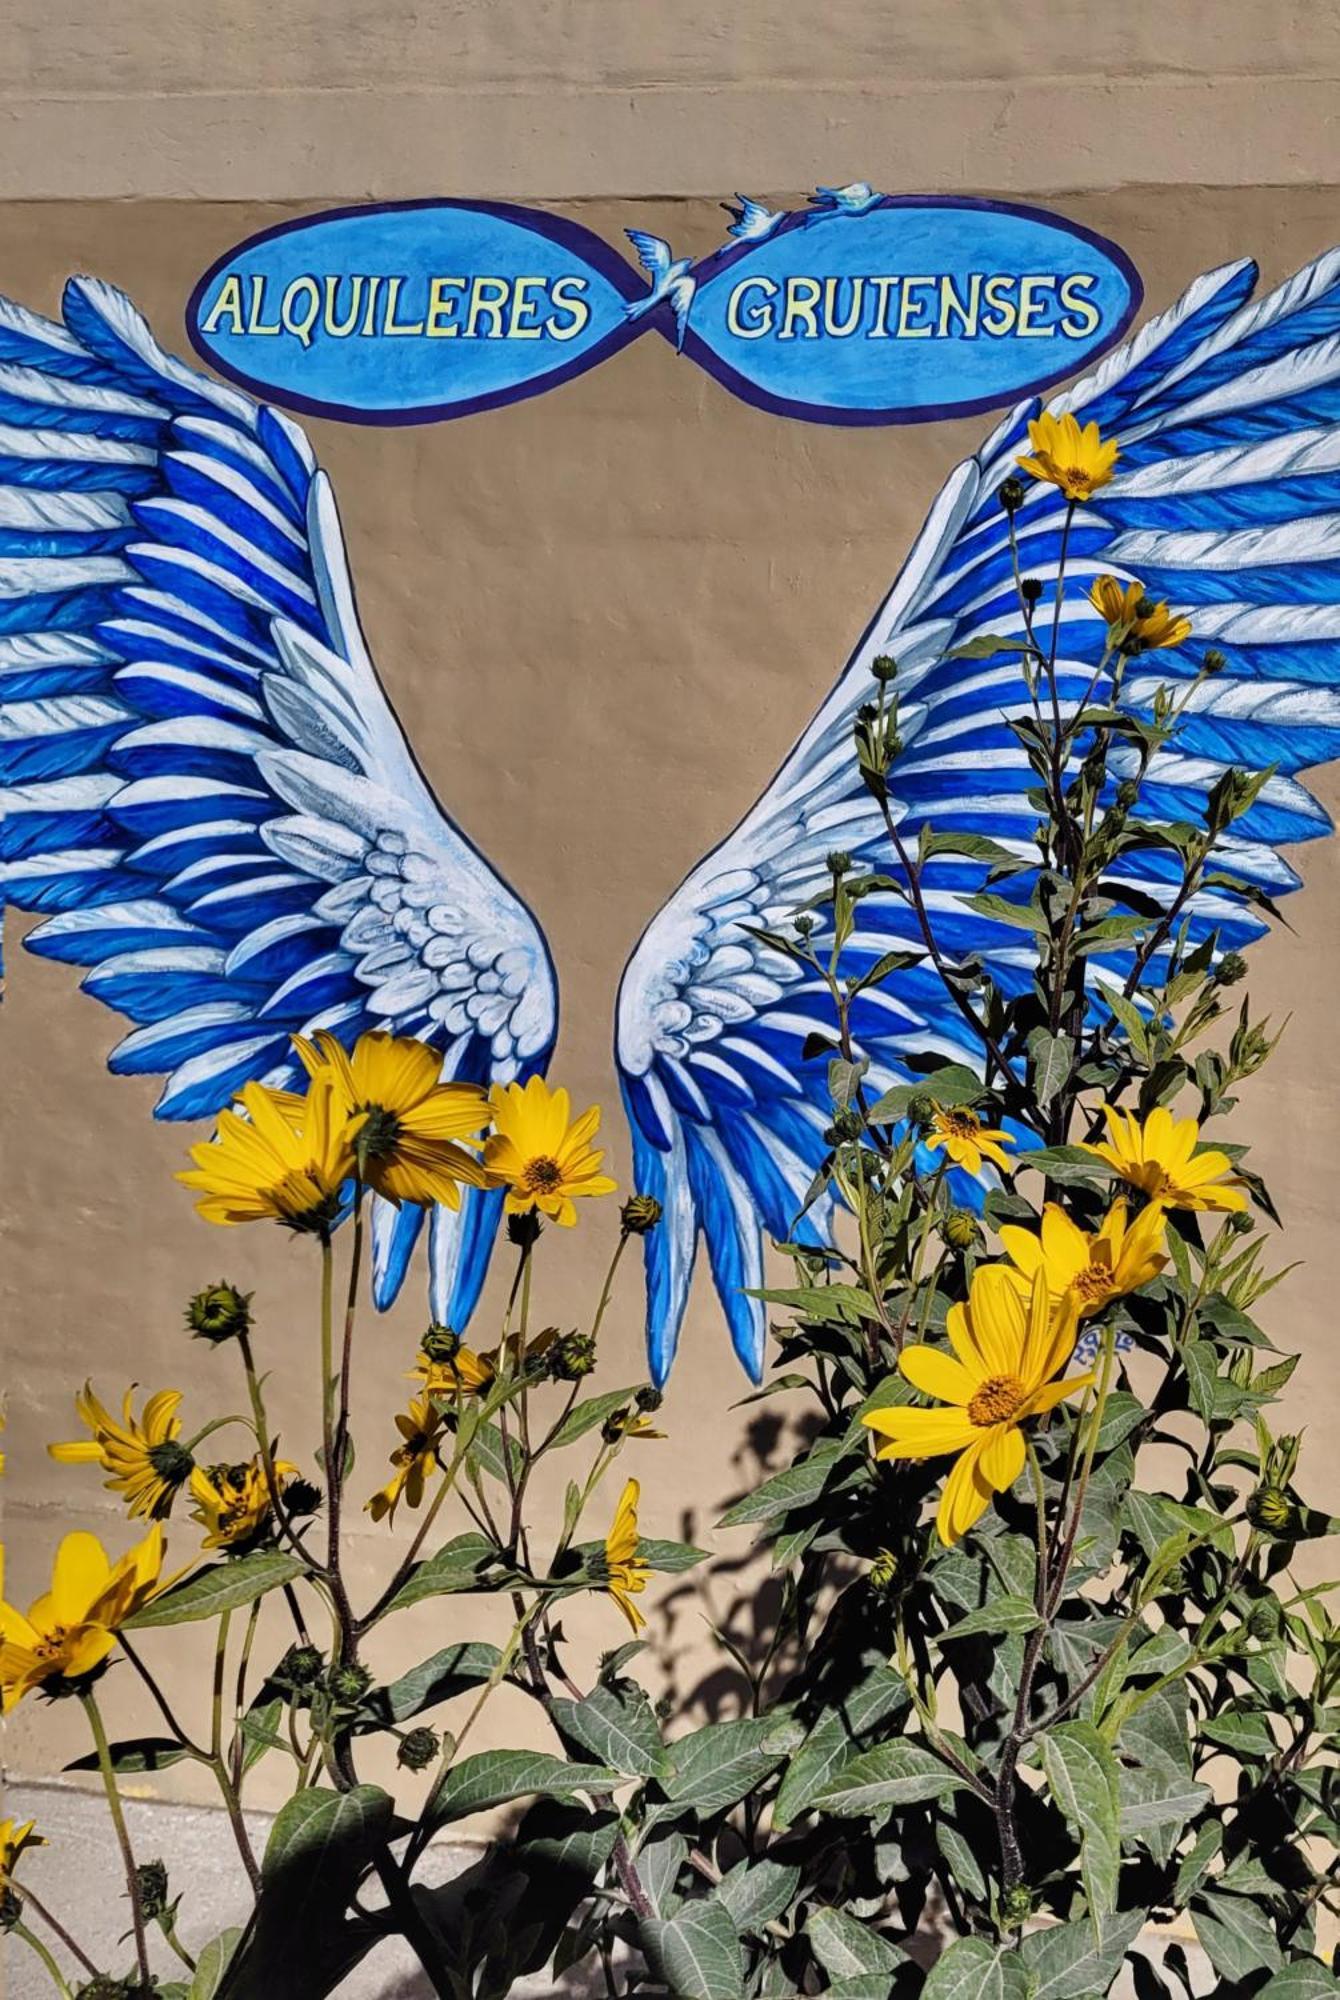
x=207 y=793
x=1227 y=503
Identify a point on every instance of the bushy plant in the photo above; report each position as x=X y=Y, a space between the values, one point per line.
x=1040 y=1674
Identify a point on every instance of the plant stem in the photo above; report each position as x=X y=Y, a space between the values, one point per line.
x=36 y=1945
x=58 y=1930
x=114 y=1807
x=412 y=1923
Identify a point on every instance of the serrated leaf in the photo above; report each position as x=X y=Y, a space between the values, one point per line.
x=494 y=1776
x=456 y=1566
x=1236 y=1936
x=997 y=1616
x=832 y=1741
x=1053 y=1059
x=1066 y=1962
x=846 y=1948
x=618 y=1727
x=436 y=1679
x=892 y=1774
x=972 y=1969
x=696 y=1952
x=222 y=1587
x=715 y=1766
x=755 y=1893
x=1082 y=1773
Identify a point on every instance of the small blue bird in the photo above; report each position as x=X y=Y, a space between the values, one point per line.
x=857 y=198
x=669 y=280
x=753 y=222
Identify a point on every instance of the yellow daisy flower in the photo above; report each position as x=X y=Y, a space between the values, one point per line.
x=72 y=1627
x=1007 y=1352
x=414 y=1459
x=966 y=1140
x=1117 y=1258
x=1136 y=624
x=146 y=1462
x=233 y=1502
x=1076 y=460
x=286 y=1161
x=465 y=1374
x=626 y=1573
x=545 y=1161
x=409 y=1119
x=1160 y=1158
x=14 y=1840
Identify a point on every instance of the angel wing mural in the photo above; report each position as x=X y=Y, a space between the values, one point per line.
x=1226 y=502
x=207 y=793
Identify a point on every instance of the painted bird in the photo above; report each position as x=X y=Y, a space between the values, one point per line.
x=669 y=280
x=857 y=198
x=754 y=222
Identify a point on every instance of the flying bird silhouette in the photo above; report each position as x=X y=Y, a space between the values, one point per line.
x=857 y=198
x=1227 y=503
x=208 y=795
x=754 y=222
x=669 y=278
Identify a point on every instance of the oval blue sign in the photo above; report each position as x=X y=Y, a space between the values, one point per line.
x=404 y=312
x=879 y=309
x=861 y=309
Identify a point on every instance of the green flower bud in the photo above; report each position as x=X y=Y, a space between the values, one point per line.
x=418 y=1749
x=1030 y=589
x=1231 y=968
x=921 y=1108
x=848 y=1123
x=837 y=862
x=1128 y=793
x=959 y=1229
x=1273 y=1512
x=571 y=1357
x=1011 y=495
x=1263 y=1620
x=884 y=667
x=640 y=1214
x=648 y=1400
x=219 y=1313
x=104 y=1987
x=301 y=1666
x=348 y=1682
x=151 y=1879
x=441 y=1343
x=805 y=924
x=1214 y=661
x=884 y=1570
x=1016 y=1906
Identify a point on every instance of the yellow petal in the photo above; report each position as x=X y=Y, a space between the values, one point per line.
x=936 y=1373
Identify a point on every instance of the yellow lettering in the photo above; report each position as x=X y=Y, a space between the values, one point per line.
x=229 y=301
x=488 y=296
x=520 y=327
x=802 y=297
x=566 y=294
x=883 y=286
x=832 y=292
x=330 y=323
x=951 y=303
x=759 y=321
x=257 y=301
x=1085 y=312
x=438 y=323
x=1032 y=306
x=999 y=294
x=390 y=324
x=912 y=305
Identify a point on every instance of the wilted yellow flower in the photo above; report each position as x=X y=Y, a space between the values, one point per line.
x=966 y=1140
x=1076 y=460
x=544 y=1160
x=626 y=1573
x=408 y=1119
x=1136 y=624
x=233 y=1501
x=71 y=1628
x=1007 y=1350
x=414 y=1459
x=1160 y=1158
x=1117 y=1258
x=465 y=1374
x=286 y=1161
x=14 y=1840
x=146 y=1463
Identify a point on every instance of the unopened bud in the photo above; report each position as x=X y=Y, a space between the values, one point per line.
x=1231 y=968
x=848 y=1123
x=1214 y=661
x=418 y=1749
x=837 y=863
x=219 y=1313
x=11 y=1909
x=572 y=1356
x=921 y=1108
x=348 y=1682
x=302 y=1666
x=151 y=1881
x=1273 y=1512
x=1011 y=495
x=884 y=667
x=959 y=1229
x=440 y=1343
x=648 y=1400
x=884 y=1570
x=805 y=924
x=640 y=1214
x=1030 y=589
x=1263 y=1620
x=1128 y=793
x=1016 y=1906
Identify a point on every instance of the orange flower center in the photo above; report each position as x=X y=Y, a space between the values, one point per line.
x=1093 y=1283
x=541 y=1175
x=51 y=1645
x=996 y=1401
x=959 y=1124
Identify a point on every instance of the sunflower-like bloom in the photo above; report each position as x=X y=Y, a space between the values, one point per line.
x=1076 y=460
x=1008 y=1350
x=408 y=1120
x=464 y=1374
x=1160 y=1158
x=1136 y=623
x=14 y=1841
x=146 y=1463
x=286 y=1161
x=545 y=1160
x=414 y=1459
x=966 y=1140
x=1117 y=1258
x=625 y=1572
x=68 y=1632
x=232 y=1503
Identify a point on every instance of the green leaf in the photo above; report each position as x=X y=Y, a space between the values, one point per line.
x=832 y=1741
x=586 y=1416
x=987 y=646
x=670 y=1558
x=1053 y=1059
x=222 y=1587
x=320 y=1847
x=1066 y=1165
x=1248 y=1736
x=972 y=1969
x=793 y=1487
x=1236 y=1936
x=1082 y=1773
x=458 y=1565
x=1067 y=1963
x=845 y=1948
x=1197 y=1862
x=998 y=1615
x=754 y=1894
x=136 y=1753
x=697 y=1952
x=211 y=1965
x=494 y=1776
x=892 y=1774
x=437 y=1679
x=617 y=1726
x=659 y=1861
x=999 y=909
x=1303 y=1979
x=715 y=1766
x=832 y=1305
x=260 y=1729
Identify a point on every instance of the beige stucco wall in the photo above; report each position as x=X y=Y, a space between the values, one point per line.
x=603 y=615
